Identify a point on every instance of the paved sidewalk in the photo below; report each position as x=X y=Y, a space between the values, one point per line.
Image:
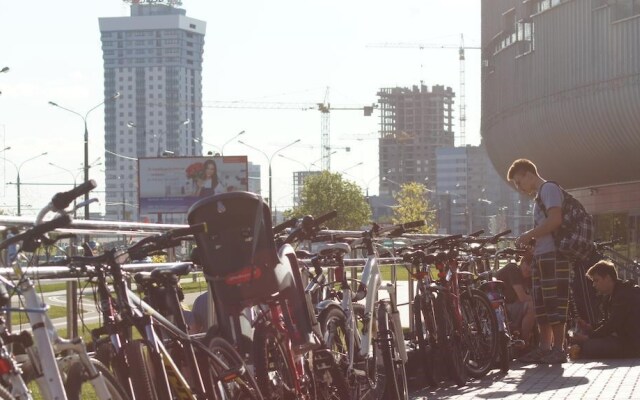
x=607 y=379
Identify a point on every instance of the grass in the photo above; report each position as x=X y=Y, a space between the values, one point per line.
x=18 y=318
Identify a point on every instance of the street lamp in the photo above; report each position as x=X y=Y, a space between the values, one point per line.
x=4 y=69
x=269 y=159
x=351 y=167
x=305 y=166
x=86 y=142
x=18 y=167
x=227 y=142
x=208 y=144
x=322 y=158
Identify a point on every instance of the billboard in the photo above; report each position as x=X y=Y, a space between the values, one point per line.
x=172 y=184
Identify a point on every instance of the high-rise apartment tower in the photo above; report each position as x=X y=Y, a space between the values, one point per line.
x=154 y=59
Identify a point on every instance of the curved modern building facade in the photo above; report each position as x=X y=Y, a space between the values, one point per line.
x=561 y=86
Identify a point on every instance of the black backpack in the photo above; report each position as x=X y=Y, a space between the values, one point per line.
x=574 y=238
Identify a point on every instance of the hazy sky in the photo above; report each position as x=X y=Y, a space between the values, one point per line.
x=276 y=51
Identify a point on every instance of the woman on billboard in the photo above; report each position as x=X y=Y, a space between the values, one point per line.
x=209 y=183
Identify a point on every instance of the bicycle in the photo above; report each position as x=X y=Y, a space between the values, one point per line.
x=244 y=268
x=341 y=319
x=465 y=323
x=157 y=370
x=495 y=289
x=43 y=364
x=428 y=339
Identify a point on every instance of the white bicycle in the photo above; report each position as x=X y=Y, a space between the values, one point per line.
x=59 y=366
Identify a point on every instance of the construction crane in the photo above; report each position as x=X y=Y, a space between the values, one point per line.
x=461 y=141
x=325 y=109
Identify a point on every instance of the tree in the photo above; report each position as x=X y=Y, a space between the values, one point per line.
x=326 y=192
x=413 y=205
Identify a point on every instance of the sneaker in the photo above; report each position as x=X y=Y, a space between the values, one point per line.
x=555 y=356
x=534 y=356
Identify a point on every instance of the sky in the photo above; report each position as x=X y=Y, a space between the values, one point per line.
x=255 y=51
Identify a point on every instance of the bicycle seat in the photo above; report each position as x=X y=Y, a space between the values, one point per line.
x=177 y=270
x=328 y=249
x=303 y=254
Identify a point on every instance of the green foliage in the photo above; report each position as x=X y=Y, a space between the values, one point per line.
x=326 y=192
x=413 y=205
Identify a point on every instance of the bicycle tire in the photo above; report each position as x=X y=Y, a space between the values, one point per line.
x=372 y=365
x=504 y=351
x=76 y=377
x=505 y=338
x=333 y=325
x=451 y=343
x=227 y=359
x=396 y=384
x=272 y=366
x=480 y=332
x=140 y=370
x=425 y=332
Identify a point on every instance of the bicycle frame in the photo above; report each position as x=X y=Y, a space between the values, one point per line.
x=368 y=289
x=48 y=343
x=179 y=382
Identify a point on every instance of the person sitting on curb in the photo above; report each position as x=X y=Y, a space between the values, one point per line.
x=519 y=303
x=618 y=334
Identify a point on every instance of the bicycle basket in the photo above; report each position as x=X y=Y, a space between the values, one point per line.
x=237 y=252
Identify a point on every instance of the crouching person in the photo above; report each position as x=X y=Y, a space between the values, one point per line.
x=618 y=334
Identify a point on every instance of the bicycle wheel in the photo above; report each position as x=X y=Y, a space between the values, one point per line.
x=480 y=332
x=333 y=324
x=425 y=332
x=273 y=368
x=505 y=349
x=396 y=385
x=140 y=370
x=227 y=373
x=77 y=384
x=450 y=342
x=372 y=385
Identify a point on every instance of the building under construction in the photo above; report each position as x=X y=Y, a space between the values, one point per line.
x=414 y=122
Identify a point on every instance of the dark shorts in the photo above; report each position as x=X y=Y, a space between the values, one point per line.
x=550 y=292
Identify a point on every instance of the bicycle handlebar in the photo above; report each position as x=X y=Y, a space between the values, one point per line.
x=62 y=200
x=308 y=226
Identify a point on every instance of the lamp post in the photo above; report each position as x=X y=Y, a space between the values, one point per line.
x=18 y=167
x=305 y=166
x=228 y=141
x=208 y=144
x=86 y=141
x=351 y=167
x=269 y=159
x=4 y=69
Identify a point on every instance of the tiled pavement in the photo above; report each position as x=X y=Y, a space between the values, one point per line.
x=606 y=379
